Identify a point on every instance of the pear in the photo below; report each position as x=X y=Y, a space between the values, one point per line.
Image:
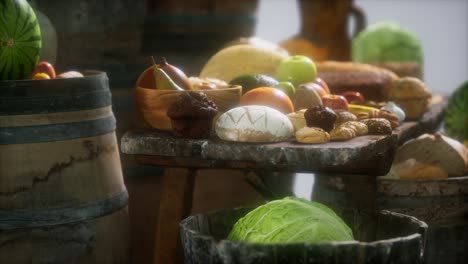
x=163 y=81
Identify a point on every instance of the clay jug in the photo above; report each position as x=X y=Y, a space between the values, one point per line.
x=325 y=23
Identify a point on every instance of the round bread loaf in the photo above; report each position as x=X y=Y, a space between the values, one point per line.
x=254 y=123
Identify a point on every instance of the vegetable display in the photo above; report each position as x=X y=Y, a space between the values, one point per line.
x=386 y=42
x=456 y=114
x=290 y=220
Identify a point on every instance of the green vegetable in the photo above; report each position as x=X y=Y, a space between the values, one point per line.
x=290 y=220
x=456 y=114
x=386 y=42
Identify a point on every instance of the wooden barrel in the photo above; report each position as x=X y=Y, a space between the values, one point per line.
x=441 y=203
x=197 y=26
x=62 y=196
x=398 y=239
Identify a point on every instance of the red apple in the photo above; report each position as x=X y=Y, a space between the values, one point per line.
x=335 y=102
x=44 y=67
x=323 y=84
x=354 y=97
x=146 y=79
x=317 y=87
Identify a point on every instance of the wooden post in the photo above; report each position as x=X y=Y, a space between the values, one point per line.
x=361 y=191
x=175 y=204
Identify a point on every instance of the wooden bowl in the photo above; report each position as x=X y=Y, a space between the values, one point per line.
x=152 y=104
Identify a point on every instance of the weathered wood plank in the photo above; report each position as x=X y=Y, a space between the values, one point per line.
x=368 y=154
x=175 y=204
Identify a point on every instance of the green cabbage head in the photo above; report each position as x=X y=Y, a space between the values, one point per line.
x=290 y=220
x=386 y=42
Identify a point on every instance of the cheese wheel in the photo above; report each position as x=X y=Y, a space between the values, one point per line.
x=254 y=123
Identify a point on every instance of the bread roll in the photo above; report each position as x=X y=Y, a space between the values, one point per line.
x=437 y=150
x=373 y=82
x=297 y=119
x=412 y=95
x=254 y=123
x=312 y=135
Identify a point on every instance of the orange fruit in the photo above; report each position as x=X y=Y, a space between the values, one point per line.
x=268 y=96
x=41 y=76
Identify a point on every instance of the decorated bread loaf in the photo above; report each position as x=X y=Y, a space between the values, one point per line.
x=254 y=123
x=437 y=150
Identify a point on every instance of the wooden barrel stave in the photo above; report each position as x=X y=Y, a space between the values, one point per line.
x=62 y=195
x=441 y=203
x=90 y=241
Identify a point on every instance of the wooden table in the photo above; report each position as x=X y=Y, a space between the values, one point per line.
x=362 y=159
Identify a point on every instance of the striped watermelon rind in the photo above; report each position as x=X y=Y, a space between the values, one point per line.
x=20 y=40
x=456 y=114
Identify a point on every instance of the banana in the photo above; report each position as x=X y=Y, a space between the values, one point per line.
x=356 y=109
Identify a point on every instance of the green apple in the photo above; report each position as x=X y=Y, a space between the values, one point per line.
x=288 y=88
x=297 y=69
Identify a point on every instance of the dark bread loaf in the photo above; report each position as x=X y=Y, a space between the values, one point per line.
x=372 y=81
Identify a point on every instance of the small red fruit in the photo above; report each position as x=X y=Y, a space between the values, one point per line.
x=354 y=97
x=317 y=87
x=44 y=67
x=335 y=102
x=323 y=84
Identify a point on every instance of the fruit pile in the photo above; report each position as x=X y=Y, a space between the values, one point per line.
x=283 y=93
x=21 y=44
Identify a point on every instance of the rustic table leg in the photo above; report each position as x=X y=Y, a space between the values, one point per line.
x=175 y=204
x=361 y=192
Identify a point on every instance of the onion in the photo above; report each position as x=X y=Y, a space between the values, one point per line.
x=177 y=75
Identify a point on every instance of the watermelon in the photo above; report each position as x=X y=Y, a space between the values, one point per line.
x=20 y=40
x=456 y=114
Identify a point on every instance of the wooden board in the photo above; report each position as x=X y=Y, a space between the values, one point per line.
x=367 y=154
x=370 y=154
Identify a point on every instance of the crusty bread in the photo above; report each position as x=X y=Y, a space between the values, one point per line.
x=412 y=169
x=372 y=81
x=437 y=150
x=254 y=123
x=412 y=95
